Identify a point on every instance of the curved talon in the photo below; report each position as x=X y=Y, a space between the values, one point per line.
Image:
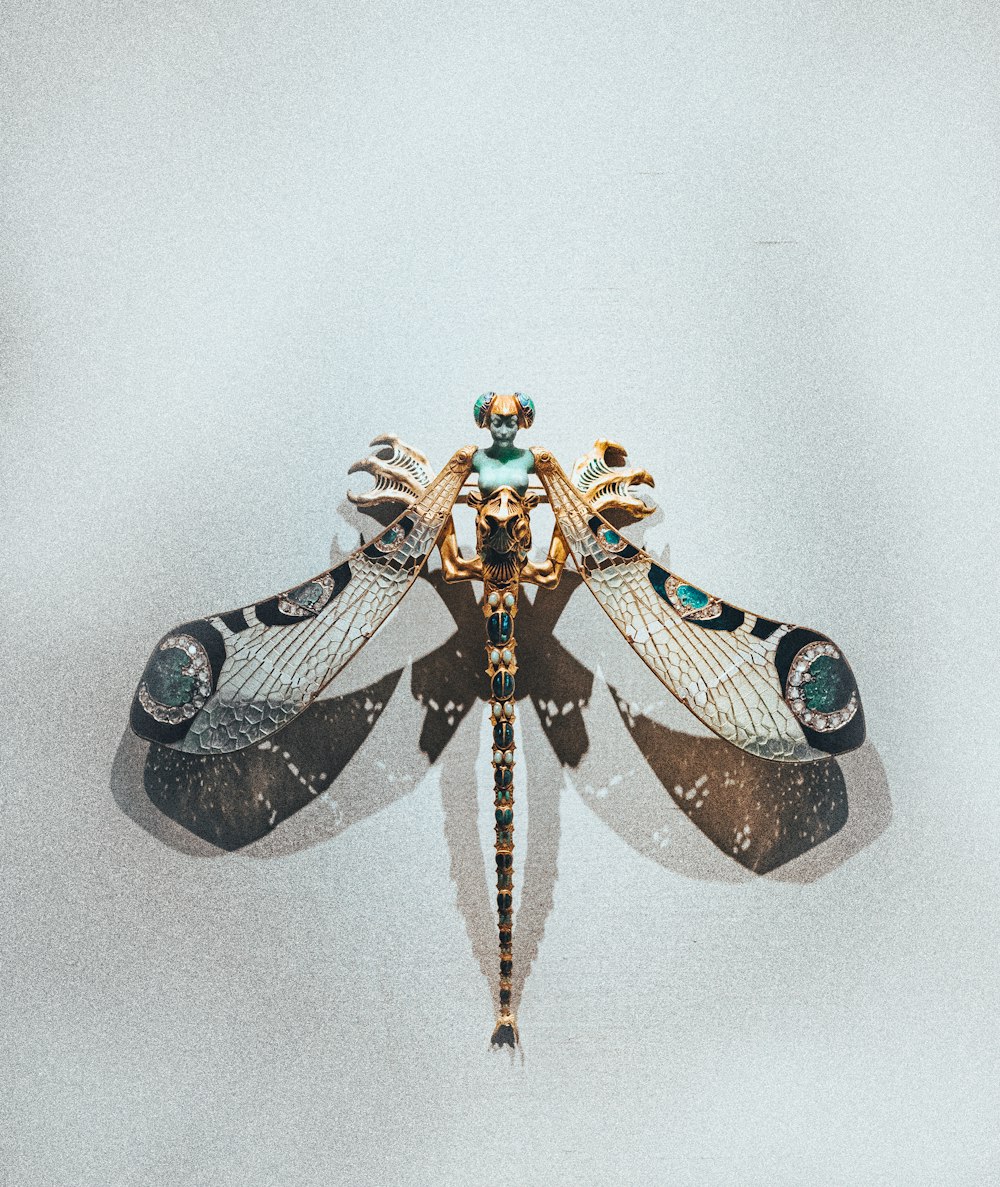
x=401 y=450
x=401 y=473
x=605 y=480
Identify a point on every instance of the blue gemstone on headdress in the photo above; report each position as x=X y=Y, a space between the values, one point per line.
x=481 y=409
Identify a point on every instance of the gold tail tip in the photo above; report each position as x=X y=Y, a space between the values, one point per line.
x=505 y=1034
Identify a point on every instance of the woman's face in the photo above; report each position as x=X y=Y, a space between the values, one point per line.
x=503 y=429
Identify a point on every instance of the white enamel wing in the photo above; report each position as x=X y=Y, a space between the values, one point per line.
x=775 y=690
x=221 y=683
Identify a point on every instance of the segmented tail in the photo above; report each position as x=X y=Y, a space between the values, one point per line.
x=500 y=609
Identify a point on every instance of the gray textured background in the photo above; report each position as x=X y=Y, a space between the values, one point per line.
x=758 y=244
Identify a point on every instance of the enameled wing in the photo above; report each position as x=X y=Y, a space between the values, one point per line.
x=224 y=682
x=775 y=690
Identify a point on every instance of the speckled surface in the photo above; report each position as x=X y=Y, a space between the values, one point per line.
x=757 y=245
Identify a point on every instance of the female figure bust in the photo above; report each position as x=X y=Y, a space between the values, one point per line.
x=503 y=464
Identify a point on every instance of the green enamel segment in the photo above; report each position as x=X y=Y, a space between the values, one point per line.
x=691 y=597
x=610 y=537
x=166 y=682
x=830 y=686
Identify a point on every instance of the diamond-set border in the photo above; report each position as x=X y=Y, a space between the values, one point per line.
x=712 y=610
x=606 y=544
x=198 y=665
x=387 y=549
x=798 y=677
x=287 y=606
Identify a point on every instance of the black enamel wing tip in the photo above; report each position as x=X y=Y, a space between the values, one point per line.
x=179 y=676
x=829 y=697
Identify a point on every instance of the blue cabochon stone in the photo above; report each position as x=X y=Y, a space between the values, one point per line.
x=690 y=596
x=498 y=627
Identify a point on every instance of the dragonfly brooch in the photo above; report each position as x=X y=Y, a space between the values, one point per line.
x=228 y=681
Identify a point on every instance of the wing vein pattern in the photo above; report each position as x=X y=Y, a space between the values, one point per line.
x=263 y=664
x=775 y=690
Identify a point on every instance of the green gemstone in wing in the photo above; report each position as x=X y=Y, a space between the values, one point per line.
x=166 y=680
x=721 y=662
x=249 y=672
x=829 y=686
x=306 y=595
x=691 y=597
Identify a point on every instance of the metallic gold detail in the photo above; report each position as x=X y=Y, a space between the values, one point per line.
x=605 y=479
x=401 y=473
x=271 y=673
x=454 y=566
x=503 y=537
x=504 y=404
x=391 y=540
x=727 y=679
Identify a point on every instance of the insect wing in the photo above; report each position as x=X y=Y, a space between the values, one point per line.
x=775 y=690
x=221 y=683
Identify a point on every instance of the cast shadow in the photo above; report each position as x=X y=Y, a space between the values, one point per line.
x=790 y=822
x=209 y=804
x=793 y=822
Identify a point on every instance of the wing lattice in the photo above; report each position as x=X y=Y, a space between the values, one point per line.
x=775 y=690
x=224 y=682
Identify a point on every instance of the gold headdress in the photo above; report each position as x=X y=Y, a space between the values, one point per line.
x=500 y=404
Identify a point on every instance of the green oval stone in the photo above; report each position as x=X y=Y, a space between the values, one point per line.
x=611 y=537
x=691 y=597
x=306 y=595
x=830 y=686
x=166 y=682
